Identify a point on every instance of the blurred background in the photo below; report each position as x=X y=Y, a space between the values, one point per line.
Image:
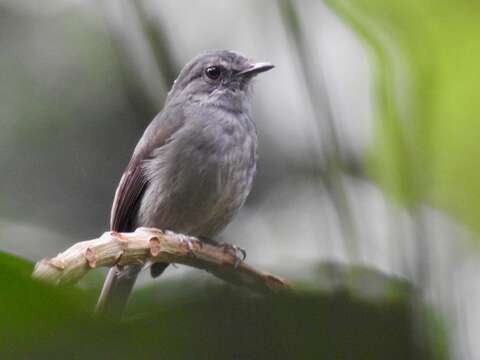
x=368 y=181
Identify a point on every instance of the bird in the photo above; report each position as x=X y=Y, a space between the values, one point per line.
x=193 y=167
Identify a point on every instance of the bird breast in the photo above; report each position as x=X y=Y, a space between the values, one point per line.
x=199 y=180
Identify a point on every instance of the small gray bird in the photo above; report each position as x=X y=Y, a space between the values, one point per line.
x=193 y=167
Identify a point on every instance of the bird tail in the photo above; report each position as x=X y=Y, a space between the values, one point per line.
x=116 y=290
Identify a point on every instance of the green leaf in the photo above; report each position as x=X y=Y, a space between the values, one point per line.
x=15 y=263
x=206 y=322
x=426 y=58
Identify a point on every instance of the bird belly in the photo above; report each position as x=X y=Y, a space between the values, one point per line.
x=200 y=192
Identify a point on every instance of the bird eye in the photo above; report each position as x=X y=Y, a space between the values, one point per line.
x=213 y=72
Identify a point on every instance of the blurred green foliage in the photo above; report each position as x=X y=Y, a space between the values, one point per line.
x=216 y=322
x=428 y=81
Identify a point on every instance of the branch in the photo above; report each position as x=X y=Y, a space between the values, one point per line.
x=149 y=244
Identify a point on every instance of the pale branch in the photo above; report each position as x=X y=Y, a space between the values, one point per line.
x=148 y=244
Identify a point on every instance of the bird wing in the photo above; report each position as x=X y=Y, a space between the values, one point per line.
x=126 y=201
x=134 y=180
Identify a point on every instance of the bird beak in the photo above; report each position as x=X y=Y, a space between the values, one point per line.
x=256 y=68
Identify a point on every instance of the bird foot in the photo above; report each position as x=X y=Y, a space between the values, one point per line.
x=239 y=253
x=184 y=239
x=187 y=240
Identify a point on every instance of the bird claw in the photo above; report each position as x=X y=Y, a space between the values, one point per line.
x=239 y=253
x=187 y=241
x=184 y=239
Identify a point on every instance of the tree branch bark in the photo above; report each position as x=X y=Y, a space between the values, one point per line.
x=151 y=244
